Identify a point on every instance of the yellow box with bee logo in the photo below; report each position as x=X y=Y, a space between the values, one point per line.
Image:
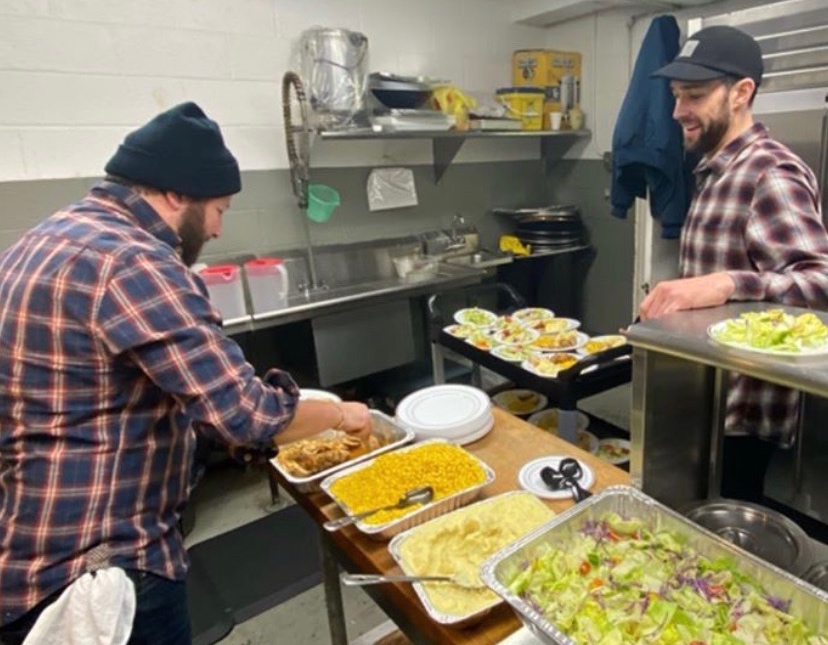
x=557 y=72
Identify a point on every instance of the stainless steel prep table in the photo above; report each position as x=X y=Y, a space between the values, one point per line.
x=679 y=392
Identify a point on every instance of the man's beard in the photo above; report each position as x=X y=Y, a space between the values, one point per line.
x=711 y=135
x=192 y=233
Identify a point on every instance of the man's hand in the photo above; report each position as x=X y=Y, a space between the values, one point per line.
x=687 y=293
x=356 y=419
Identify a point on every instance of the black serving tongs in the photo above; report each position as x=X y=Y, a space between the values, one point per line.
x=565 y=476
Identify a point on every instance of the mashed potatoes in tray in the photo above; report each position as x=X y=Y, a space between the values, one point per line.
x=457 y=544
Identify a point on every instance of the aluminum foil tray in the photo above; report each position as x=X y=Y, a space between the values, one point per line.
x=395 y=549
x=429 y=511
x=388 y=431
x=806 y=600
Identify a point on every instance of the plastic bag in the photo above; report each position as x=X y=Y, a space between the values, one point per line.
x=391 y=188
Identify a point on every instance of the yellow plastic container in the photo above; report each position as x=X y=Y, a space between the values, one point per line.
x=525 y=104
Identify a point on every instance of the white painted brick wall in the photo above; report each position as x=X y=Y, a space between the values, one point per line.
x=77 y=75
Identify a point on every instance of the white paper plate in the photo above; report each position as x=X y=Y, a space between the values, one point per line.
x=523 y=336
x=555 y=325
x=529 y=477
x=487 y=318
x=615 y=445
x=530 y=367
x=460 y=331
x=512 y=353
x=473 y=436
x=446 y=411
x=548 y=420
x=309 y=394
x=531 y=314
x=716 y=328
x=610 y=340
x=578 y=341
x=520 y=402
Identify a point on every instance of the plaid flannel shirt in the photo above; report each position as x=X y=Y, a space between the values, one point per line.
x=756 y=215
x=110 y=356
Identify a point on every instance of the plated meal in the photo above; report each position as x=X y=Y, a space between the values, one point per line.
x=530 y=314
x=548 y=420
x=512 y=353
x=475 y=316
x=482 y=339
x=549 y=365
x=773 y=332
x=460 y=331
x=615 y=451
x=602 y=343
x=515 y=336
x=555 y=325
x=520 y=401
x=563 y=341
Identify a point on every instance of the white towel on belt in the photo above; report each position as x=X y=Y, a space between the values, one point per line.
x=96 y=609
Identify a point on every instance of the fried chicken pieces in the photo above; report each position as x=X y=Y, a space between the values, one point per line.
x=309 y=456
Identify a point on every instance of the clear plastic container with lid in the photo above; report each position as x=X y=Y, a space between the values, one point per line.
x=224 y=283
x=268 y=282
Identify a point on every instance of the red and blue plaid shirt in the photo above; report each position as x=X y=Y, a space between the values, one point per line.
x=110 y=356
x=756 y=215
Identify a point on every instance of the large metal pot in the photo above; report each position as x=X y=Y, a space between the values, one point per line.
x=553 y=212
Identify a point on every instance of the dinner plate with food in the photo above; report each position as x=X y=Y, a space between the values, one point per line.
x=483 y=340
x=460 y=330
x=475 y=316
x=598 y=344
x=520 y=401
x=566 y=341
x=615 y=451
x=533 y=314
x=512 y=353
x=515 y=336
x=773 y=332
x=555 y=325
x=549 y=365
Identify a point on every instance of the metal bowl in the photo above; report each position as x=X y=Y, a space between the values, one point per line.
x=817 y=575
x=759 y=530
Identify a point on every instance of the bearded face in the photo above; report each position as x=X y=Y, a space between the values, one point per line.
x=193 y=232
x=703 y=110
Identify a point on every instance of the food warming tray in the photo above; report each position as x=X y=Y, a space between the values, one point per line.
x=808 y=602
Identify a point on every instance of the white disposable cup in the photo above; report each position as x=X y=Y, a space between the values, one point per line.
x=555 y=120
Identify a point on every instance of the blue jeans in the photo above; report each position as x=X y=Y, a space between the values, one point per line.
x=161 y=613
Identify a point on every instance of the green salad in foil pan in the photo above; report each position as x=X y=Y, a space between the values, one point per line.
x=773 y=331
x=620 y=583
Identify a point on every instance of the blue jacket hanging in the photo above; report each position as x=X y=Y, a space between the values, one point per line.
x=647 y=148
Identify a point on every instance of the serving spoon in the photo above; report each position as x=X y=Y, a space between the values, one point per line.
x=422 y=495
x=361 y=579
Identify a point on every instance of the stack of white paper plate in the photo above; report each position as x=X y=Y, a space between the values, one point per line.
x=459 y=413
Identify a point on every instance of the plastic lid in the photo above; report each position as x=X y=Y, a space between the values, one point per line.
x=221 y=269
x=264 y=262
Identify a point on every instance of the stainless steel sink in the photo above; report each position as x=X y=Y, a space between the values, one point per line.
x=479 y=259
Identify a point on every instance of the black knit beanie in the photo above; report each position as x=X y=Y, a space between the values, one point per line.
x=180 y=150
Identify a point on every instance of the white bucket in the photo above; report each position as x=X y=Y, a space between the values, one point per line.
x=268 y=282
x=224 y=284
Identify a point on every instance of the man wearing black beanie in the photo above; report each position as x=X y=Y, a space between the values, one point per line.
x=111 y=359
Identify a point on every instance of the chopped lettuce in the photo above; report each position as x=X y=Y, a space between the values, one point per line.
x=774 y=331
x=619 y=583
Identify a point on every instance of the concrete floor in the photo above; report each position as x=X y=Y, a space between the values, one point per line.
x=228 y=497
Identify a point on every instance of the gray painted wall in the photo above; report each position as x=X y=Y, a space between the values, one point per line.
x=264 y=216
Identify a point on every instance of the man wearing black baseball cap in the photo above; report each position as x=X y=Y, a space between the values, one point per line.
x=753 y=232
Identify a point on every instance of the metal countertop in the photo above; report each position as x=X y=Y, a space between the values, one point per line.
x=684 y=335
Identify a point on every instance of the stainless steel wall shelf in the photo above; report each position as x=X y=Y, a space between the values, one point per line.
x=446 y=145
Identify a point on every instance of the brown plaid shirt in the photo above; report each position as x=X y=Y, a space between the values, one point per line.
x=756 y=215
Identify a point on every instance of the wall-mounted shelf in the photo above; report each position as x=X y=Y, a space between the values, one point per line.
x=446 y=145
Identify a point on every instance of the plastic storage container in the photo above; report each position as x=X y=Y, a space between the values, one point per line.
x=224 y=283
x=268 y=282
x=524 y=103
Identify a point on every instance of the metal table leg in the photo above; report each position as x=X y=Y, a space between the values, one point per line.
x=333 y=592
x=438 y=366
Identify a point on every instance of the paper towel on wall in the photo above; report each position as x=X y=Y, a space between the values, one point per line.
x=391 y=188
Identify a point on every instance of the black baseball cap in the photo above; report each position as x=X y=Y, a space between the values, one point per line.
x=714 y=52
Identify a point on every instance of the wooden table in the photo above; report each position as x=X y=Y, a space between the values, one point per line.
x=510 y=445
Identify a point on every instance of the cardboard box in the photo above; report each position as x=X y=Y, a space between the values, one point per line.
x=557 y=72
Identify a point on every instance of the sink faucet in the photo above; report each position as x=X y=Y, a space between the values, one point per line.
x=456 y=241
